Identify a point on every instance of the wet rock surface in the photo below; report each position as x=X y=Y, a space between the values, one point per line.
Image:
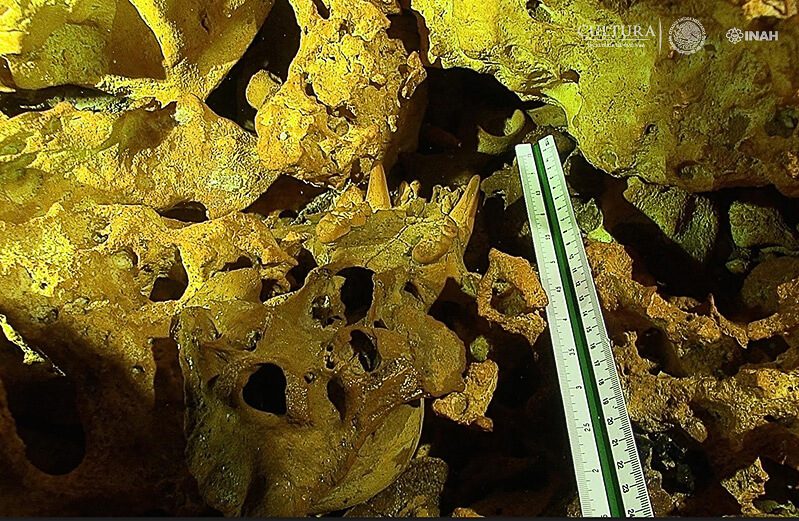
x=272 y=258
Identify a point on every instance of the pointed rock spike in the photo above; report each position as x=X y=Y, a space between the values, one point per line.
x=466 y=208
x=377 y=192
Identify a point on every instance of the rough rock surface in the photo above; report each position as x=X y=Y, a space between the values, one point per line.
x=141 y=49
x=638 y=111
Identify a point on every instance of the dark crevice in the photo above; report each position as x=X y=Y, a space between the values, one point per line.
x=187 y=212
x=296 y=275
x=273 y=49
x=45 y=410
x=239 y=264
x=266 y=389
x=365 y=349
x=765 y=351
x=168 y=379
x=356 y=292
x=322 y=311
x=458 y=311
x=337 y=396
x=171 y=285
x=285 y=194
x=404 y=27
x=269 y=288
x=322 y=9
x=23 y=100
x=412 y=290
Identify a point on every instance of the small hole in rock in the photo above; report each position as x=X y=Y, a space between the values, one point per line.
x=266 y=389
x=412 y=290
x=309 y=90
x=285 y=194
x=172 y=285
x=268 y=289
x=337 y=396
x=345 y=112
x=297 y=274
x=366 y=350
x=239 y=264
x=45 y=411
x=356 y=292
x=273 y=49
x=570 y=76
x=187 y=212
x=322 y=310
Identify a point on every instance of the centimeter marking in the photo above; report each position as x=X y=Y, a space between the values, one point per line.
x=610 y=480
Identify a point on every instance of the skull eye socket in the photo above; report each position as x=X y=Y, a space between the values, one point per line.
x=266 y=390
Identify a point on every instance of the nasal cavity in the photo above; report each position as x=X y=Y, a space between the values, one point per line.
x=266 y=390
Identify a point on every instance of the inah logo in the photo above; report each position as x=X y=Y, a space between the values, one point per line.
x=736 y=35
x=687 y=35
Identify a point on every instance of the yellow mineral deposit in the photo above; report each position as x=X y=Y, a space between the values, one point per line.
x=331 y=305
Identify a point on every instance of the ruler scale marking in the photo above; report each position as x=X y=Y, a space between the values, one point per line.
x=609 y=474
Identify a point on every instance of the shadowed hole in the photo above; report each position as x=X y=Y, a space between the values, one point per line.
x=403 y=27
x=273 y=49
x=239 y=264
x=268 y=289
x=337 y=396
x=322 y=9
x=44 y=407
x=765 y=350
x=322 y=310
x=168 y=380
x=187 y=212
x=266 y=389
x=365 y=349
x=172 y=285
x=296 y=275
x=412 y=290
x=286 y=194
x=356 y=293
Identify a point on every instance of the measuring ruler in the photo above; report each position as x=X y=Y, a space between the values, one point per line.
x=610 y=481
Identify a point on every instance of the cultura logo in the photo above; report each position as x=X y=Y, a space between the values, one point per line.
x=735 y=35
